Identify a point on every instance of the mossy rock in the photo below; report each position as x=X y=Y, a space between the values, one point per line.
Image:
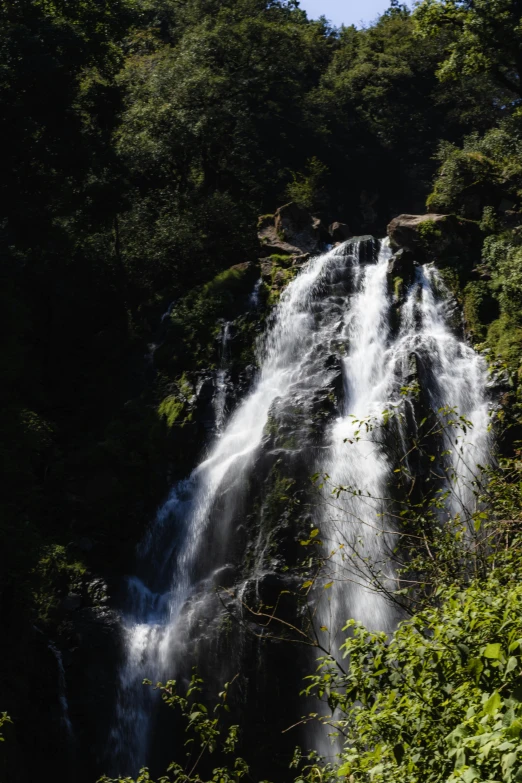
x=196 y=320
x=446 y=239
x=171 y=409
x=277 y=272
x=398 y=289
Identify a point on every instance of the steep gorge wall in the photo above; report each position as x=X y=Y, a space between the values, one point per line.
x=206 y=349
x=239 y=519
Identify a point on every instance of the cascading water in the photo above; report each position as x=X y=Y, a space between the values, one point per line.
x=330 y=338
x=376 y=367
x=220 y=398
x=62 y=693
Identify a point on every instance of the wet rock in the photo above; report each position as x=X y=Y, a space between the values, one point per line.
x=365 y=248
x=401 y=273
x=274 y=589
x=499 y=380
x=98 y=592
x=402 y=264
x=413 y=370
x=205 y=389
x=334 y=365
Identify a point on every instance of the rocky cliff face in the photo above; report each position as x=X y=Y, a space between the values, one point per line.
x=203 y=363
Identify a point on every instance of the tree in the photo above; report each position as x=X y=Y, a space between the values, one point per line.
x=438 y=701
x=485 y=37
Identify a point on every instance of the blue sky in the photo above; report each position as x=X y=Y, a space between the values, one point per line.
x=345 y=11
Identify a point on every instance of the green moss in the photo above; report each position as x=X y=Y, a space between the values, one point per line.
x=450 y=278
x=277 y=499
x=264 y=220
x=281 y=260
x=196 y=320
x=171 y=409
x=398 y=288
x=289 y=443
x=175 y=408
x=230 y=281
x=57 y=574
x=247 y=329
x=271 y=427
x=282 y=272
x=430 y=231
x=185 y=387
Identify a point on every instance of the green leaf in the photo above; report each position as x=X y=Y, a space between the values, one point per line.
x=327 y=586
x=475 y=666
x=508 y=761
x=513 y=646
x=493 y=704
x=314 y=533
x=515 y=730
x=492 y=651
x=306 y=584
x=511 y=664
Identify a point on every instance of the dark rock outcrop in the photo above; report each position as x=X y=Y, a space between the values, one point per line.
x=401 y=273
x=406 y=231
x=366 y=247
x=402 y=265
x=291 y=231
x=444 y=238
x=340 y=232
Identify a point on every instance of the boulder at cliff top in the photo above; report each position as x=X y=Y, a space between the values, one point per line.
x=340 y=232
x=445 y=238
x=406 y=231
x=291 y=231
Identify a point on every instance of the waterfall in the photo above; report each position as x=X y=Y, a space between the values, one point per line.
x=220 y=397
x=376 y=366
x=62 y=693
x=331 y=336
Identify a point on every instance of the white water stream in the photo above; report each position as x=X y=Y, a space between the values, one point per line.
x=337 y=304
x=376 y=367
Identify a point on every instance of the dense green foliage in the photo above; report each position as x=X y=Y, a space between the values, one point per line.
x=141 y=139
x=441 y=701
x=207 y=733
